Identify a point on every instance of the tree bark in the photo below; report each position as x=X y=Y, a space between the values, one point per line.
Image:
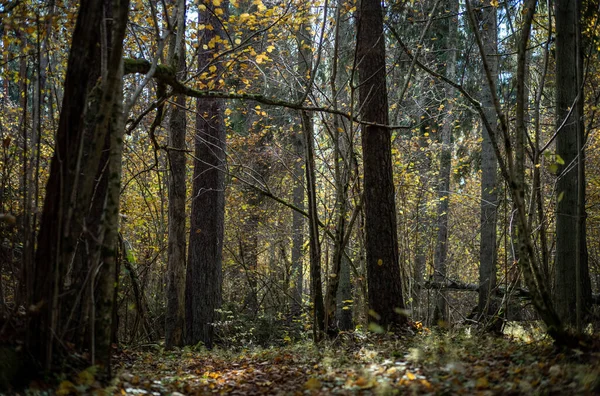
x=383 y=271
x=489 y=170
x=50 y=261
x=71 y=182
x=203 y=294
x=176 y=249
x=297 y=225
x=571 y=249
x=107 y=274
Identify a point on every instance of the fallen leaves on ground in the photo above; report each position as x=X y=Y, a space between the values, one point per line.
x=424 y=364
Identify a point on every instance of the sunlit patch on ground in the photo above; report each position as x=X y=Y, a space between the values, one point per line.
x=432 y=363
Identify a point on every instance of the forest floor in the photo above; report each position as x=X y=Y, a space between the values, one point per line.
x=453 y=362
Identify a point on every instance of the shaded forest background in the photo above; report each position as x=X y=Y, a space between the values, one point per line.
x=260 y=172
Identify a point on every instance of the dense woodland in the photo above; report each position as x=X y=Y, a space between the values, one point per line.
x=197 y=175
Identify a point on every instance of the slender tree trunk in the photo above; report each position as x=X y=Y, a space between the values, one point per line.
x=441 y=251
x=107 y=273
x=342 y=148
x=489 y=170
x=203 y=294
x=344 y=297
x=297 y=225
x=423 y=220
x=383 y=271
x=39 y=86
x=316 y=290
x=175 y=314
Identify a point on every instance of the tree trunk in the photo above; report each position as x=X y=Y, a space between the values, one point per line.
x=297 y=225
x=573 y=290
x=342 y=147
x=50 y=261
x=107 y=275
x=423 y=219
x=383 y=271
x=344 y=297
x=70 y=186
x=175 y=314
x=203 y=292
x=316 y=290
x=489 y=170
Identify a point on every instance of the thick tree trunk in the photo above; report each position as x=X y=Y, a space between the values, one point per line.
x=70 y=186
x=204 y=276
x=50 y=261
x=383 y=271
x=571 y=249
x=175 y=314
x=203 y=292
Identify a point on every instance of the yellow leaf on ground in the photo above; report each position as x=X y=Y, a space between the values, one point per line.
x=312 y=384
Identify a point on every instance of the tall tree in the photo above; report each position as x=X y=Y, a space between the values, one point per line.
x=573 y=289
x=175 y=315
x=489 y=167
x=297 y=224
x=88 y=110
x=316 y=291
x=447 y=35
x=338 y=313
x=383 y=271
x=205 y=252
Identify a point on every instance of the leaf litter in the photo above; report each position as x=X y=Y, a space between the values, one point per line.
x=452 y=362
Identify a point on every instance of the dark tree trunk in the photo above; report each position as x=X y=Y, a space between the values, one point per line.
x=571 y=249
x=70 y=186
x=203 y=292
x=107 y=276
x=258 y=166
x=383 y=271
x=54 y=247
x=175 y=314
x=344 y=298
